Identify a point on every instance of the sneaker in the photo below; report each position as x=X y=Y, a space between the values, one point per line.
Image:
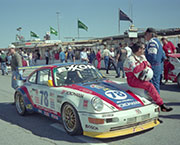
x=164 y=108
x=117 y=76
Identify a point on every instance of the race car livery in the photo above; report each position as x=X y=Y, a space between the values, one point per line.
x=85 y=101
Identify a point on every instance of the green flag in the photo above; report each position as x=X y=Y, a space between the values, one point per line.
x=34 y=34
x=53 y=31
x=82 y=26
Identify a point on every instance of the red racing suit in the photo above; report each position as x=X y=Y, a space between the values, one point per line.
x=168 y=48
x=134 y=65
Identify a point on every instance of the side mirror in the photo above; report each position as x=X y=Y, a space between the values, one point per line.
x=50 y=83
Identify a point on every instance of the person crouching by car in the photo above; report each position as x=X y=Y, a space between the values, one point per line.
x=138 y=72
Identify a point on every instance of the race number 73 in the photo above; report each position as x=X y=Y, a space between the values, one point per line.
x=44 y=98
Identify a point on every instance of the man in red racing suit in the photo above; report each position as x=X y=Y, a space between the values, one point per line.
x=133 y=66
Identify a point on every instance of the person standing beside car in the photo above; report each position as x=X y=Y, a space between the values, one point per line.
x=154 y=54
x=16 y=62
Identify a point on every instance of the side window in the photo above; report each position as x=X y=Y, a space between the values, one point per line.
x=44 y=76
x=32 y=79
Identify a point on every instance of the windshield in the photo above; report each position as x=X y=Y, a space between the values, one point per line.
x=72 y=74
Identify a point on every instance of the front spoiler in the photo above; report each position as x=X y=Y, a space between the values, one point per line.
x=122 y=132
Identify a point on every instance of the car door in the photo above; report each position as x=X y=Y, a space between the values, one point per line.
x=46 y=98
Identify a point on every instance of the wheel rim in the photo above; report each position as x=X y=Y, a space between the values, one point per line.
x=69 y=118
x=20 y=103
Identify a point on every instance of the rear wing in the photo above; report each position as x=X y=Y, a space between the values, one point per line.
x=27 y=70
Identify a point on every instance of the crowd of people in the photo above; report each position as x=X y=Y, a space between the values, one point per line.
x=134 y=61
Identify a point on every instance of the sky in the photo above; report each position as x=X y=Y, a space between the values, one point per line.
x=100 y=16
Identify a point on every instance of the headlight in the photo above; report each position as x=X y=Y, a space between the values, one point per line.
x=97 y=103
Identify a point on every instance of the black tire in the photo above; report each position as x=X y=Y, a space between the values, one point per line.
x=71 y=120
x=19 y=102
x=178 y=80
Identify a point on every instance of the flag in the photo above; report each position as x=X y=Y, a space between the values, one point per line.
x=82 y=26
x=53 y=31
x=124 y=17
x=19 y=28
x=34 y=34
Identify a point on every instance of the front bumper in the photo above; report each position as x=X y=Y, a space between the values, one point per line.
x=120 y=123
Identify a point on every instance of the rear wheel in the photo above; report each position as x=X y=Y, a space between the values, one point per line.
x=71 y=120
x=20 y=106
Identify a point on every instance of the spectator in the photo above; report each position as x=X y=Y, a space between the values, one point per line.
x=135 y=64
x=15 y=63
x=168 y=48
x=120 y=58
x=47 y=56
x=3 y=60
x=84 y=56
x=92 y=56
x=154 y=54
x=106 y=54
x=62 y=56
x=111 y=60
x=70 y=55
x=128 y=49
x=98 y=57
x=9 y=58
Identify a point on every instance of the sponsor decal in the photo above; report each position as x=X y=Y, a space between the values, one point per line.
x=91 y=127
x=138 y=111
x=107 y=115
x=129 y=104
x=51 y=94
x=46 y=113
x=29 y=106
x=99 y=87
x=59 y=98
x=115 y=94
x=52 y=104
x=79 y=67
x=72 y=93
x=37 y=99
x=85 y=103
x=40 y=111
x=54 y=116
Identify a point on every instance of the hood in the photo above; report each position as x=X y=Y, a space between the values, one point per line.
x=111 y=93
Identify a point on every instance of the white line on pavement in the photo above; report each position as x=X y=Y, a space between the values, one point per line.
x=90 y=141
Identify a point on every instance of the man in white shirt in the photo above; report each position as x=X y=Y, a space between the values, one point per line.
x=83 y=56
x=128 y=49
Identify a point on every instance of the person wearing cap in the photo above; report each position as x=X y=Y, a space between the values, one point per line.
x=138 y=72
x=155 y=55
x=3 y=60
x=16 y=62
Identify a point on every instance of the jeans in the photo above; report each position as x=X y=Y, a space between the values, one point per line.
x=15 y=83
x=106 y=62
x=4 y=68
x=120 y=68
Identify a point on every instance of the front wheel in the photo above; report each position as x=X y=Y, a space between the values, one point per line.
x=20 y=106
x=71 y=120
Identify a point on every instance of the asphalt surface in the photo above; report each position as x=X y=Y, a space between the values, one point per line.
x=36 y=129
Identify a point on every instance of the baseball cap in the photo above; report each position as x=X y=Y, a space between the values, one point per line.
x=150 y=30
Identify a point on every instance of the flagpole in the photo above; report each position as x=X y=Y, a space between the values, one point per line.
x=58 y=24
x=78 y=28
x=119 y=21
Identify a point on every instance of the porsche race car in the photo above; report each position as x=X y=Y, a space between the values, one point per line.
x=85 y=101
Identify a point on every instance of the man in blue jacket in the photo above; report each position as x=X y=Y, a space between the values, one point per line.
x=154 y=54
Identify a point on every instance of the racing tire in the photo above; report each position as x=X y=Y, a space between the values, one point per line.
x=19 y=102
x=70 y=119
x=178 y=80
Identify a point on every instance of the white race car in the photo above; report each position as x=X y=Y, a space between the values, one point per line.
x=87 y=102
